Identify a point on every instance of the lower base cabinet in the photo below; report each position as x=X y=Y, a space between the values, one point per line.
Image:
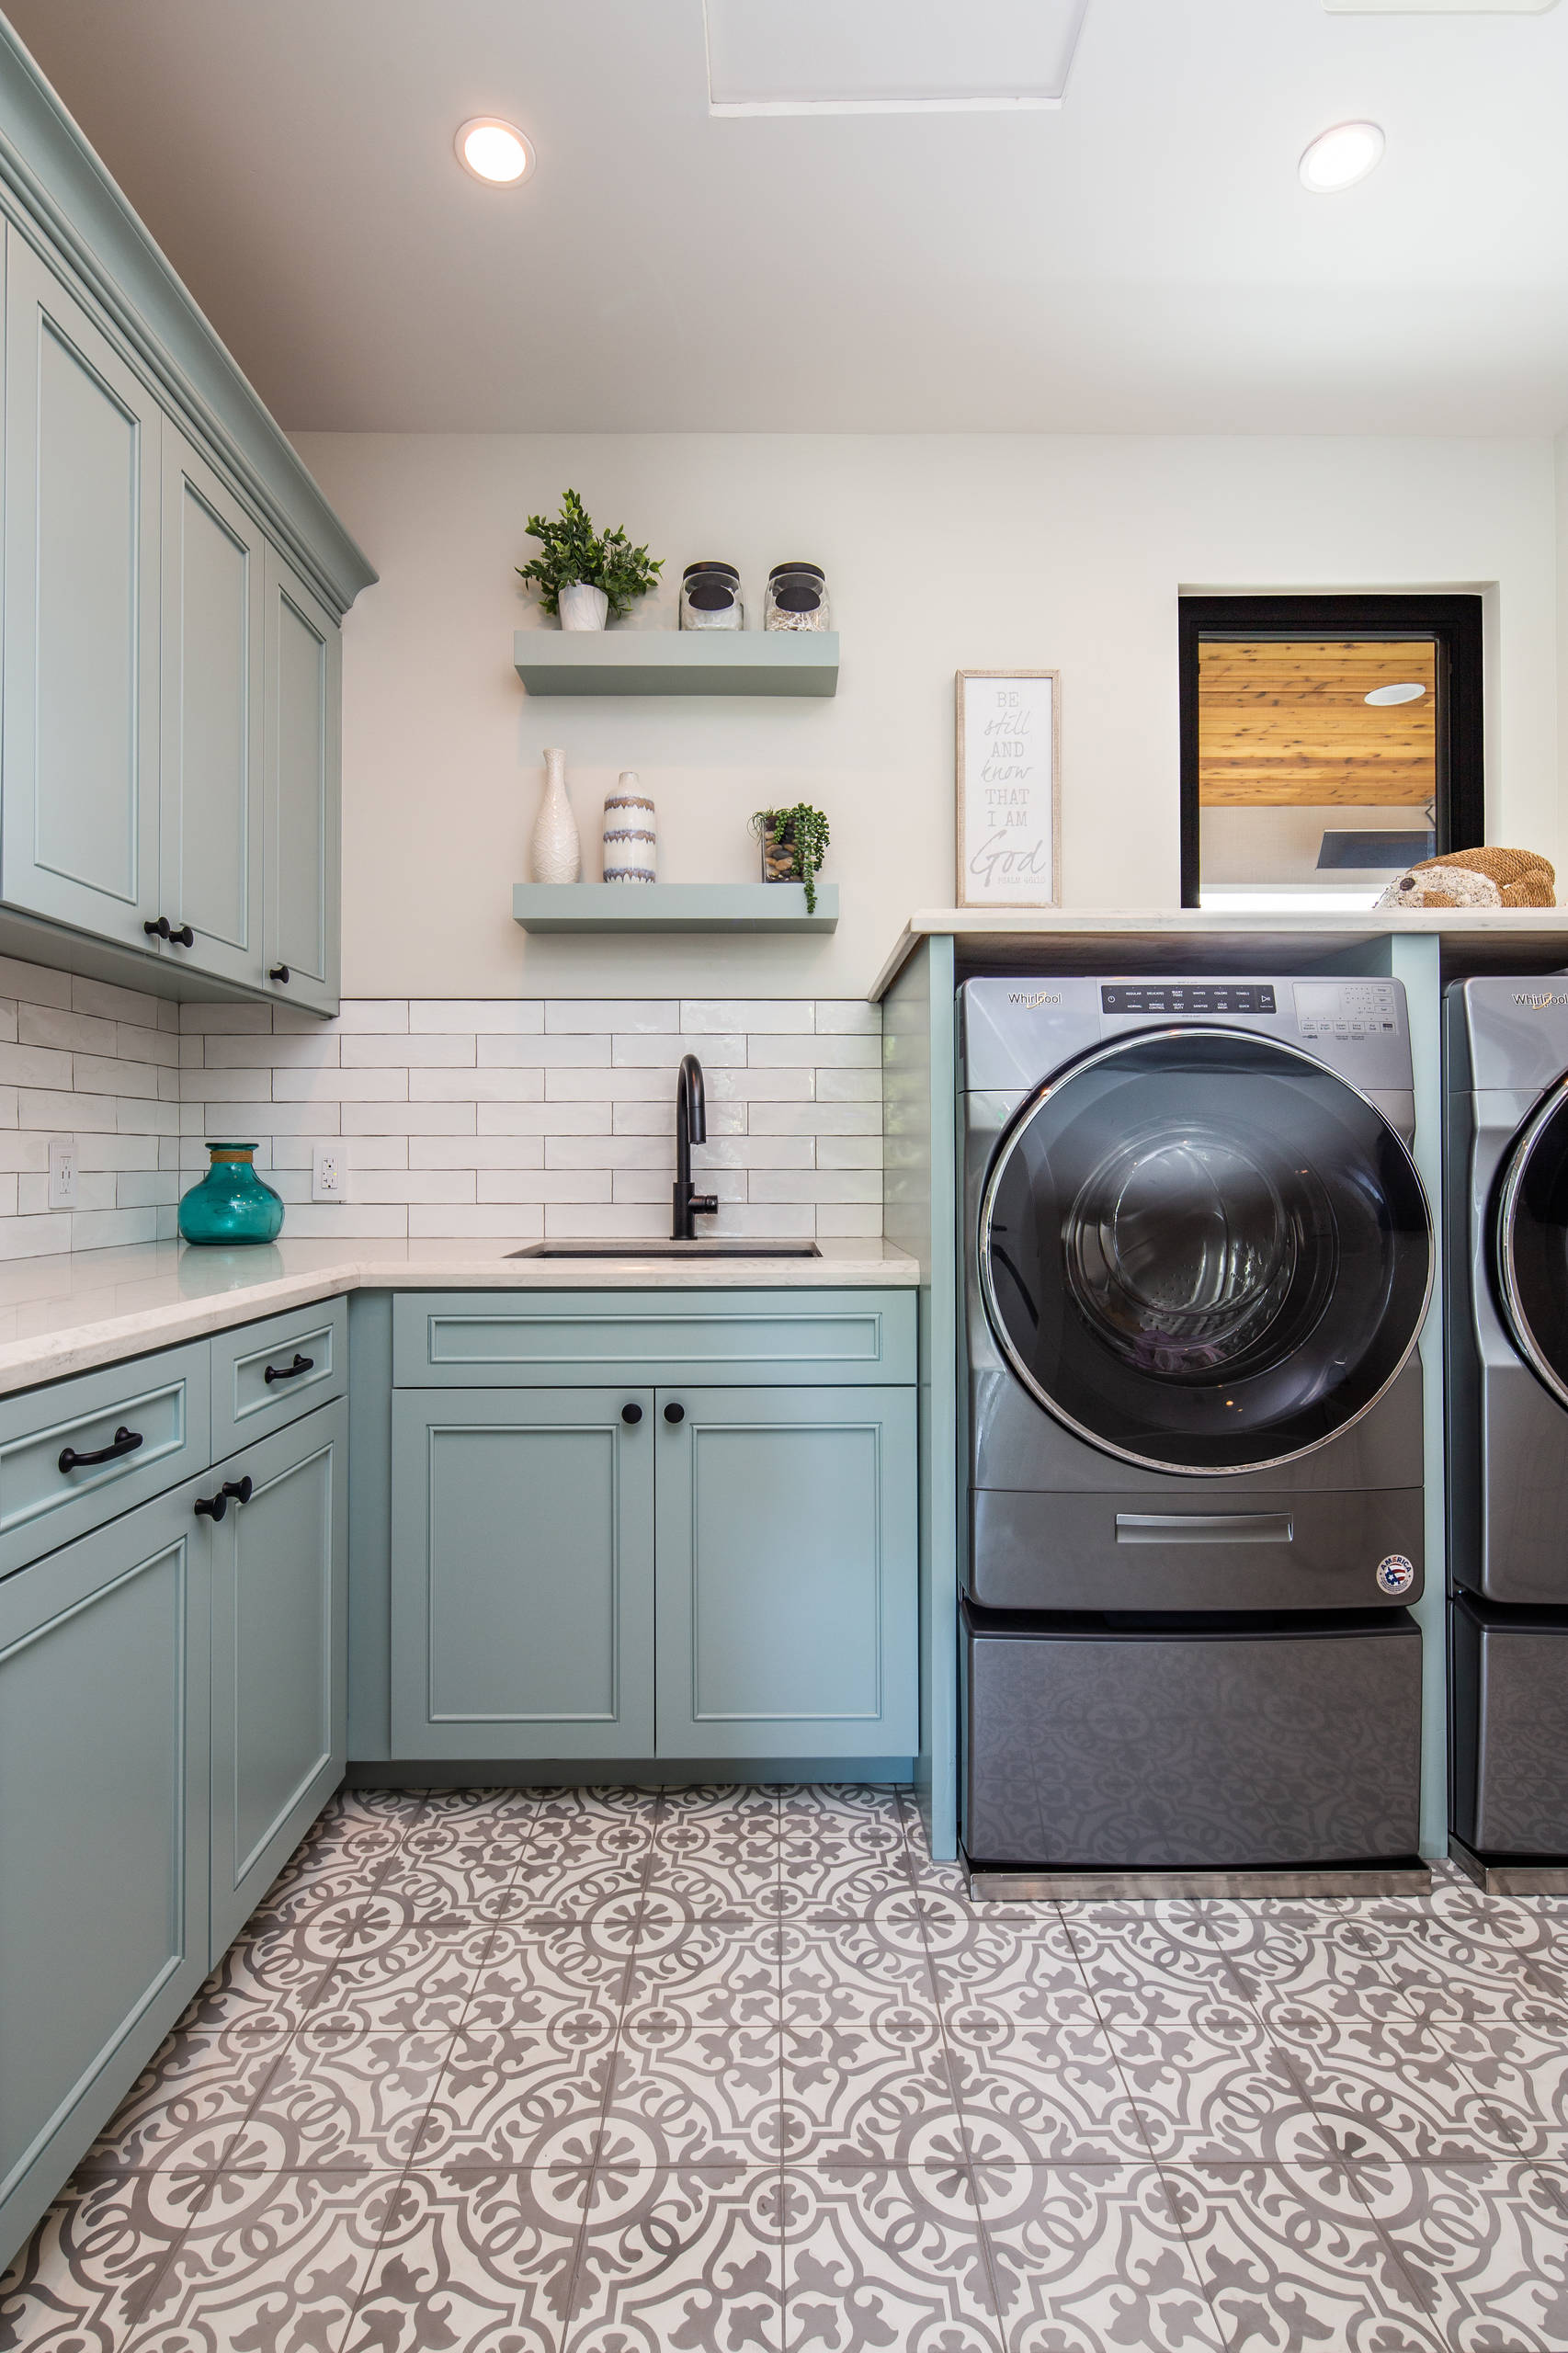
x=103 y=1668
x=681 y=1571
x=279 y=1656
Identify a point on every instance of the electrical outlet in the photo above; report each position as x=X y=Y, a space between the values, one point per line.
x=329 y=1173
x=62 y=1172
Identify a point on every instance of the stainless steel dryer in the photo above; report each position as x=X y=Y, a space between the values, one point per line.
x=1198 y=1255
x=1506 y=1056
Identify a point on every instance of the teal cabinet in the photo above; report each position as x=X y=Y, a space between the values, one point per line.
x=104 y=1655
x=786 y=1572
x=79 y=737
x=280 y=1654
x=303 y=669
x=210 y=798
x=522 y=1572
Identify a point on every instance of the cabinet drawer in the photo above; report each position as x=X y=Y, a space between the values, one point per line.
x=307 y=1355
x=548 y=1339
x=46 y=1499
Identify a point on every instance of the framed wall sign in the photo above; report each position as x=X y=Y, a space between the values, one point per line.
x=1010 y=814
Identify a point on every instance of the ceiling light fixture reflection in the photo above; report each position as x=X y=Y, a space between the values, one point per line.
x=1338 y=158
x=1381 y=695
x=494 y=150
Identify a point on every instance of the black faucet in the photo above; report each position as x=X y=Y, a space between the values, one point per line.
x=691 y=1127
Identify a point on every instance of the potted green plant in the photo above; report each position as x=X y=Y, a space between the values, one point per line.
x=794 y=843
x=586 y=577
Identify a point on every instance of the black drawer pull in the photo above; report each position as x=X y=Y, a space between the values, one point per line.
x=277 y=973
x=123 y=1442
x=212 y=1507
x=631 y=1414
x=289 y=1371
x=240 y=1490
x=674 y=1412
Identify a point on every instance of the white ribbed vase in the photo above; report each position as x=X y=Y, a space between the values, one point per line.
x=632 y=841
x=557 y=846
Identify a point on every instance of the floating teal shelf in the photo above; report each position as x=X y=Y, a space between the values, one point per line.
x=676 y=662
x=673 y=906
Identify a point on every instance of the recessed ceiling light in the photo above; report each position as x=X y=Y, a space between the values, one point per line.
x=1411 y=692
x=1338 y=158
x=494 y=150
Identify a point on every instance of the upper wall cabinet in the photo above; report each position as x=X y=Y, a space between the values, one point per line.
x=209 y=801
x=173 y=581
x=304 y=732
x=79 y=740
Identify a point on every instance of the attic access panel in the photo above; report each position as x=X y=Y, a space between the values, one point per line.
x=1327 y=743
x=802 y=57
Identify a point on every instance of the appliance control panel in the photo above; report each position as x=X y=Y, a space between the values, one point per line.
x=1346 y=1008
x=1187 y=997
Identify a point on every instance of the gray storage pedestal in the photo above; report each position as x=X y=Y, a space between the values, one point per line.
x=1094 y=1744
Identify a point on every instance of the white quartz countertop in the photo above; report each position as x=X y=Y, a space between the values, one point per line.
x=1328 y=927
x=66 y=1314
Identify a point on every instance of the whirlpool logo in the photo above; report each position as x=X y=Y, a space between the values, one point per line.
x=1547 y=996
x=1041 y=996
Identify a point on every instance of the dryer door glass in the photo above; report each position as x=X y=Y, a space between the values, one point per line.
x=1530 y=1234
x=1203 y=1251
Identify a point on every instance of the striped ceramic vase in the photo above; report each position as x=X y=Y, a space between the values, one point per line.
x=630 y=840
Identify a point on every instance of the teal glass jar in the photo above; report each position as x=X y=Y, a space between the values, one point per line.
x=231 y=1203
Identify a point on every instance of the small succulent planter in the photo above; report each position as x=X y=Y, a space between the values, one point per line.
x=793 y=842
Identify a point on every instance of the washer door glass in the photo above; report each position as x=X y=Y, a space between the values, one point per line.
x=1531 y=1242
x=1204 y=1251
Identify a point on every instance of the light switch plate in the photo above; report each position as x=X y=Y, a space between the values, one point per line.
x=329 y=1173
x=62 y=1172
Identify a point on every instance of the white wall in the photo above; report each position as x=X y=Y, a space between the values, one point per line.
x=942 y=553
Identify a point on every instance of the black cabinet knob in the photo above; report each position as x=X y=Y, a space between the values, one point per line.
x=164 y=929
x=632 y=1413
x=184 y=936
x=212 y=1507
x=674 y=1412
x=240 y=1489
x=277 y=973
x=159 y=930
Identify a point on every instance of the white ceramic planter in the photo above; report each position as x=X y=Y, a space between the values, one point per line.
x=557 y=847
x=583 y=608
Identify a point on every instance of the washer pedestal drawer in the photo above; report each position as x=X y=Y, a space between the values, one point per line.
x=1215 y=1745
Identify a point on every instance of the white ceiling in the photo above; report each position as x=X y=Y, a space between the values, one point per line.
x=1144 y=259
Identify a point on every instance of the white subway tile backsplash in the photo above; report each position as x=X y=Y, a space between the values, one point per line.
x=487 y=1120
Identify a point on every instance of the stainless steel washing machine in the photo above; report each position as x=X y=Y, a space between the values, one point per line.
x=1506 y=1060
x=1197 y=1258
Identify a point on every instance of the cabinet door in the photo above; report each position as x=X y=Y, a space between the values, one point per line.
x=103 y=1831
x=280 y=1656
x=210 y=746
x=304 y=754
x=786 y=1572
x=522 y=1574
x=79 y=816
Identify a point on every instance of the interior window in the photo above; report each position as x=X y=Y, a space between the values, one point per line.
x=1317 y=763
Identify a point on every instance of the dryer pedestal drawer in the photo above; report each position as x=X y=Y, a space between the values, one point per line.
x=1510 y=1694
x=1116 y=1747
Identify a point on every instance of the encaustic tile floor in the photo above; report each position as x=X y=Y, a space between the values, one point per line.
x=617 y=2071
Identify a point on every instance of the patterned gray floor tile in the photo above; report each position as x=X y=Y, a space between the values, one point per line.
x=1382 y=2087
x=478 y=2261
x=885 y=2257
x=271 y=2260
x=185 y=2110
x=276 y=1976
x=416 y=1982
x=333 y=2101
x=1485 y=2247
x=1206 y=2078
x=697 y=2061
x=1091 y=2260
x=520 y=2099
x=688 y=2257
x=979 y=1958
x=866 y=2074
x=89 y=2273
x=1036 y=2078
x=1291 y=2260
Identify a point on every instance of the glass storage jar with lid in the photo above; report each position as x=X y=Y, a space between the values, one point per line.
x=797 y=597
x=710 y=596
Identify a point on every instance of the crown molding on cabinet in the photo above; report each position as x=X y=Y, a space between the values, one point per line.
x=62 y=200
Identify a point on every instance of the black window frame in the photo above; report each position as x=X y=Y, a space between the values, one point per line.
x=1455 y=622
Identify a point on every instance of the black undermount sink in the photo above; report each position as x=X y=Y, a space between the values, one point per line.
x=699 y=1249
